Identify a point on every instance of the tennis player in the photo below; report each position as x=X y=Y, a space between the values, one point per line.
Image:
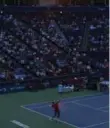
x=55 y=106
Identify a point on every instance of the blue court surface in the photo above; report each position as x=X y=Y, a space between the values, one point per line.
x=79 y=112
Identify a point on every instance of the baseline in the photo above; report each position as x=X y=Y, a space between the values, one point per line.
x=72 y=98
x=94 y=125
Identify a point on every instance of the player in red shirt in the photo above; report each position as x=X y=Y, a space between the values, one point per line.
x=55 y=106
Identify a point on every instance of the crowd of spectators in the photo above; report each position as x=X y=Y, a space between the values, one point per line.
x=98 y=33
x=29 y=39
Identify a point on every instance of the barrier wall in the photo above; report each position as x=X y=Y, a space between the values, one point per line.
x=47 y=82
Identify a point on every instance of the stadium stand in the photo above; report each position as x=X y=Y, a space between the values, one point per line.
x=54 y=43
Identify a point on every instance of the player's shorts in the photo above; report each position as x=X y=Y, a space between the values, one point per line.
x=57 y=114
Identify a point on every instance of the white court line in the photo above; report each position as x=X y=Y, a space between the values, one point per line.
x=103 y=107
x=88 y=106
x=47 y=105
x=44 y=102
x=88 y=98
x=94 y=125
x=97 y=109
x=106 y=111
x=61 y=121
x=19 y=124
x=43 y=106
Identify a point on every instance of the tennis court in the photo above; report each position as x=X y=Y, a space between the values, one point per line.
x=30 y=109
x=79 y=112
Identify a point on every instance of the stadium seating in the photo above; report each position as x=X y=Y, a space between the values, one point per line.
x=54 y=43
